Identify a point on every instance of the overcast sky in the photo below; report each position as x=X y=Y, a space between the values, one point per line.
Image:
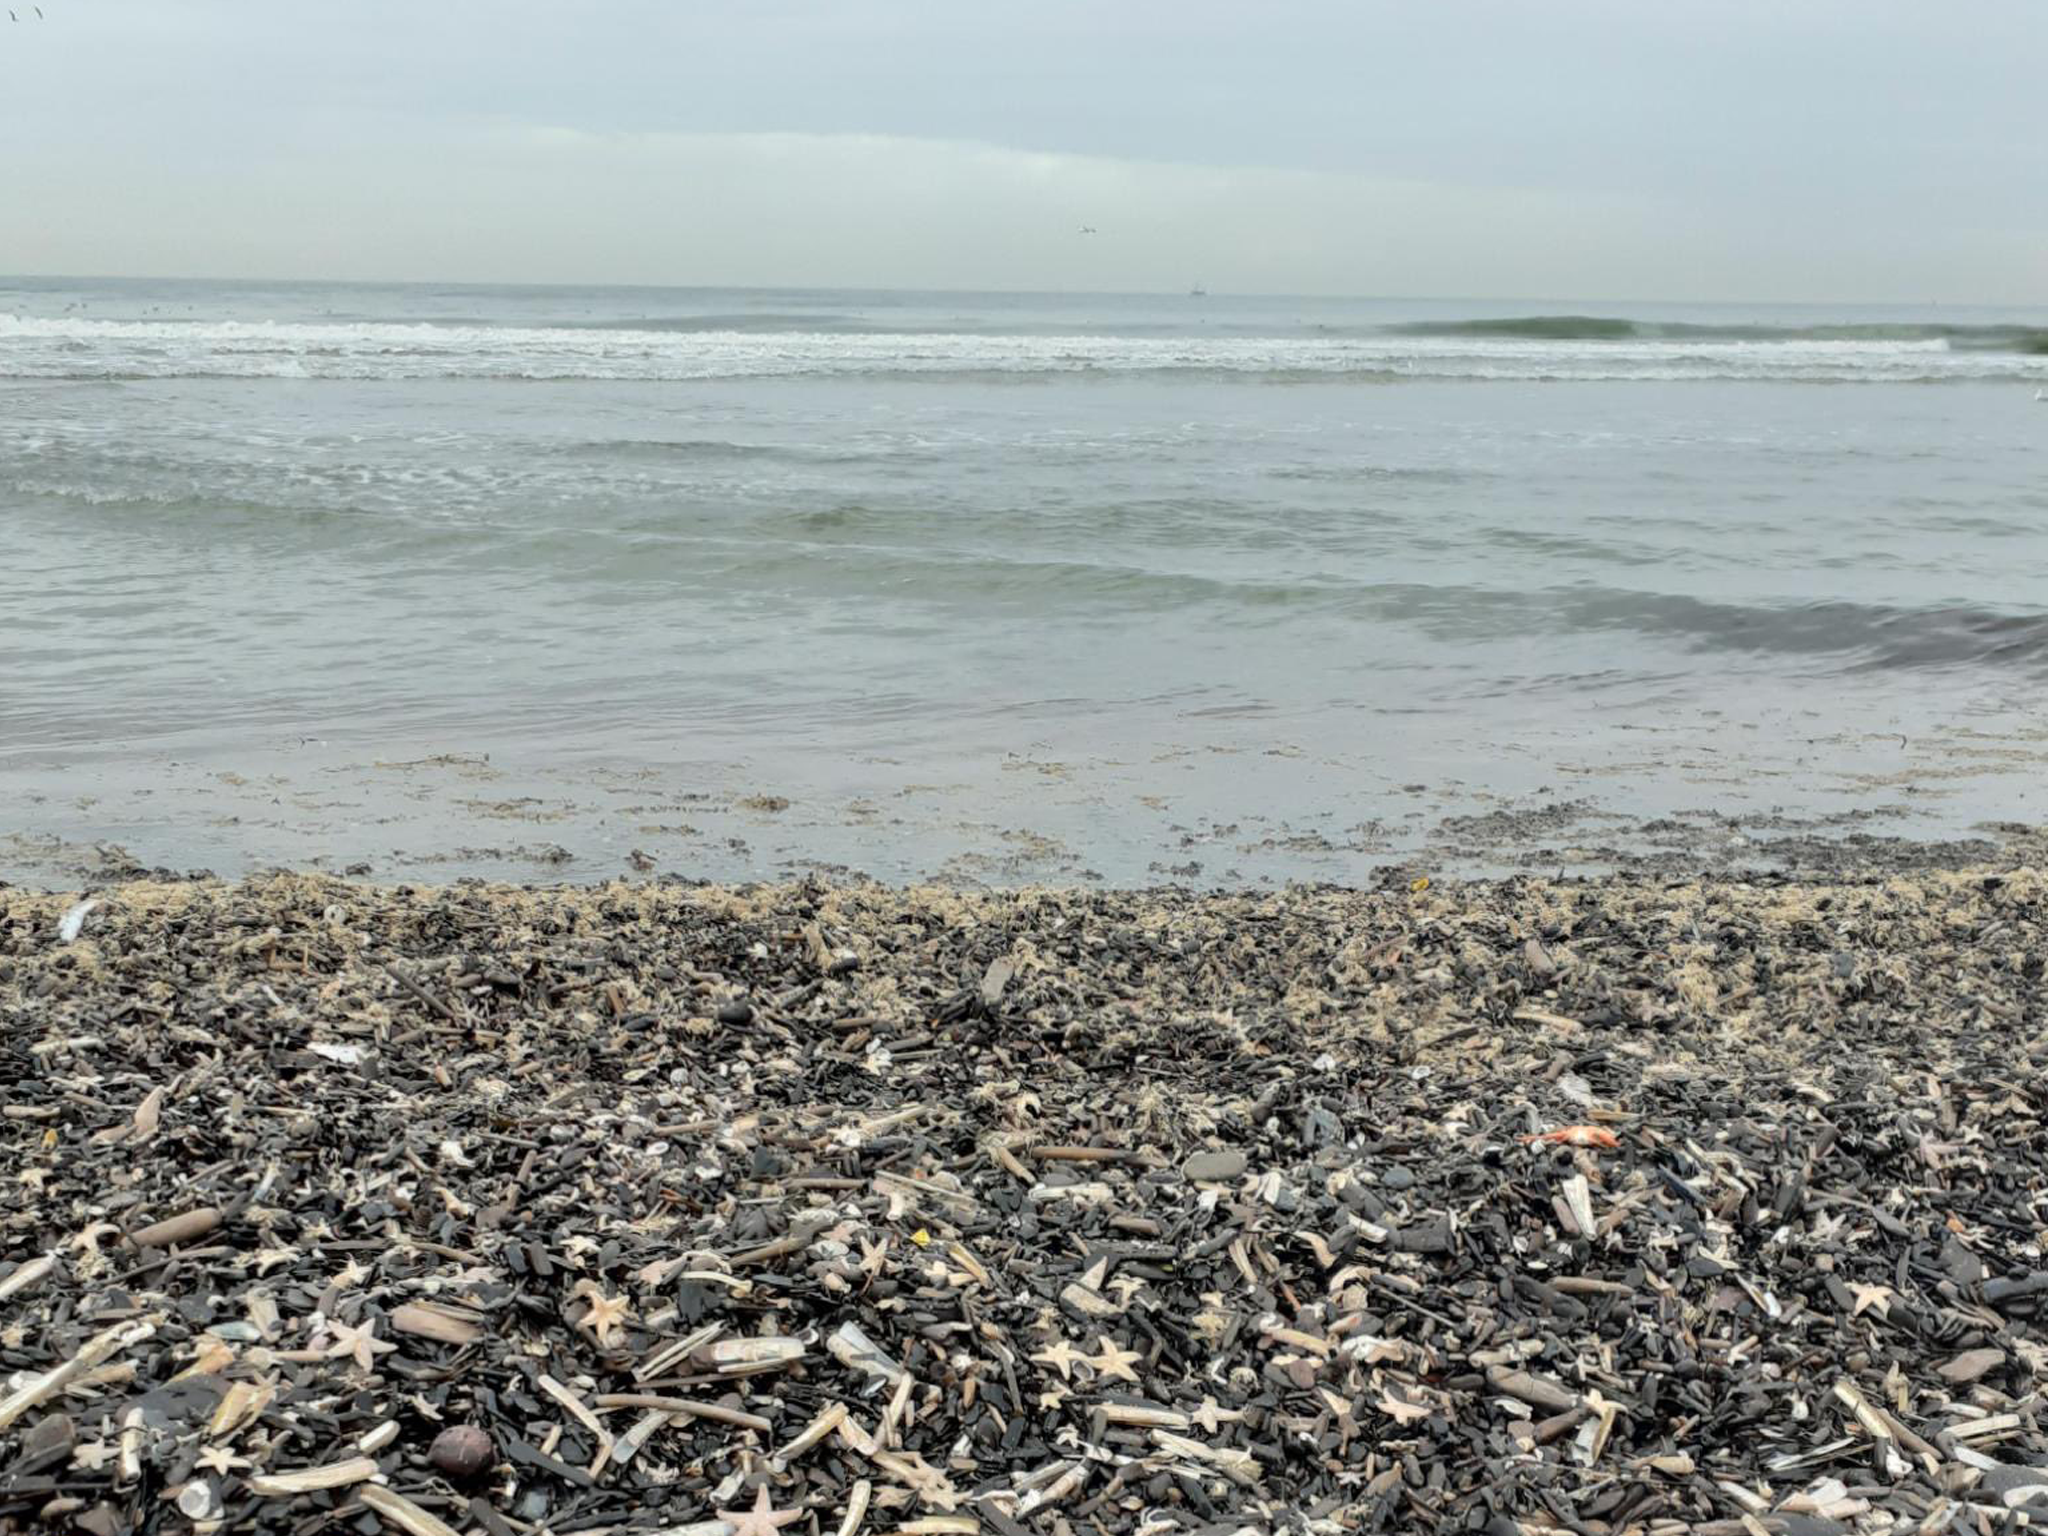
x=1742 y=149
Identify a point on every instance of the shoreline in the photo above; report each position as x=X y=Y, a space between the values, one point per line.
x=1240 y=802
x=1147 y=1211
x=761 y=840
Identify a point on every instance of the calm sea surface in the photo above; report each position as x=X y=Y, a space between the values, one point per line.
x=520 y=581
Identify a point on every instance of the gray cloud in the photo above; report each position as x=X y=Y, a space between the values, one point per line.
x=1874 y=150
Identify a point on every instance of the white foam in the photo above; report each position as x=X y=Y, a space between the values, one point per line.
x=78 y=348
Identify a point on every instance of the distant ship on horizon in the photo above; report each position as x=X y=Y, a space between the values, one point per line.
x=1198 y=292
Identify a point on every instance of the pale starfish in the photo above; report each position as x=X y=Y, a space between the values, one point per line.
x=654 y=1276
x=606 y=1315
x=1110 y=1361
x=350 y=1276
x=1868 y=1296
x=1062 y=1357
x=218 y=1458
x=362 y=1344
x=1053 y=1398
x=764 y=1519
x=91 y=1454
x=1213 y=1418
x=873 y=1256
x=928 y=1482
x=264 y=1260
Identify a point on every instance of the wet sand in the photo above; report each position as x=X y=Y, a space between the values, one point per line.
x=1634 y=1204
x=1254 y=807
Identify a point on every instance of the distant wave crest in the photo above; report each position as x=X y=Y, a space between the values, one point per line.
x=2029 y=340
x=1532 y=348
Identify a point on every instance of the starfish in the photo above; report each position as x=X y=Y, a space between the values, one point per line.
x=1062 y=1357
x=360 y=1343
x=91 y=1454
x=576 y=1247
x=350 y=1277
x=654 y=1276
x=1868 y=1296
x=1052 y=1399
x=264 y=1260
x=764 y=1519
x=605 y=1315
x=1111 y=1361
x=218 y=1458
x=1212 y=1418
x=873 y=1256
x=921 y=1477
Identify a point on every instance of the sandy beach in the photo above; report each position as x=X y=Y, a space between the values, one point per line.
x=1640 y=1204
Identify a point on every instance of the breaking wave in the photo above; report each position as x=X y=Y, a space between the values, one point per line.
x=2029 y=340
x=1538 y=348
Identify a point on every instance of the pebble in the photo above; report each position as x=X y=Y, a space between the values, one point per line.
x=462 y=1451
x=1215 y=1167
x=1970 y=1365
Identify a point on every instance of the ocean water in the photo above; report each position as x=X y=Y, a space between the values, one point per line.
x=557 y=581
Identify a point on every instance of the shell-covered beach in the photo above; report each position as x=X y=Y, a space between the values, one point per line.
x=1627 y=1205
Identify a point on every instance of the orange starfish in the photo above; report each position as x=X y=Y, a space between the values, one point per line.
x=1576 y=1136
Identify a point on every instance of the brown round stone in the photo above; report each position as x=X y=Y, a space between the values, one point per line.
x=462 y=1451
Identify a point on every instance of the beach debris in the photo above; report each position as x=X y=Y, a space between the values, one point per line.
x=30 y=1391
x=397 y=1512
x=462 y=1451
x=311 y=1479
x=72 y=924
x=855 y=1349
x=1043 y=1213
x=172 y=1231
x=22 y=1276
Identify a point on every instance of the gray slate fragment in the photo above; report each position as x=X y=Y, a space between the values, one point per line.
x=1215 y=1167
x=1970 y=1365
x=2015 y=1485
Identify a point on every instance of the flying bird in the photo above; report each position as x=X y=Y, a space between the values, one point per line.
x=1087 y=229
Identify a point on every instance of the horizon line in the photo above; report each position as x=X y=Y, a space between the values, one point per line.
x=984 y=292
